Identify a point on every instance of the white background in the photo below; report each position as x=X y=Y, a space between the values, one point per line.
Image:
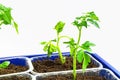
x=36 y=19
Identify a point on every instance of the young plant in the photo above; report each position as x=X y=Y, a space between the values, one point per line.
x=4 y=64
x=6 y=17
x=53 y=45
x=77 y=50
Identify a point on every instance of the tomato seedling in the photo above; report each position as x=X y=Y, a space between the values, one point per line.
x=77 y=50
x=53 y=45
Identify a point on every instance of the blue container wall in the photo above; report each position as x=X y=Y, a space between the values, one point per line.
x=16 y=61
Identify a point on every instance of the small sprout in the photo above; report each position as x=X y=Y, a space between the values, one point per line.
x=4 y=64
x=53 y=45
x=77 y=50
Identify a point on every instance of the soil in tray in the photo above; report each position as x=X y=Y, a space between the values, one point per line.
x=55 y=65
x=70 y=77
x=13 y=69
x=15 y=78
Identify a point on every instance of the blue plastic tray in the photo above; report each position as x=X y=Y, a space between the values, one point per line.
x=106 y=65
x=107 y=74
x=96 y=56
x=21 y=61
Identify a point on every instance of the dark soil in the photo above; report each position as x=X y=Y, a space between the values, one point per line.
x=15 y=78
x=13 y=69
x=70 y=77
x=55 y=65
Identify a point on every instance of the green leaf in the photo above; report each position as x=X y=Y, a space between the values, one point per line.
x=5 y=64
x=45 y=48
x=49 y=51
x=80 y=18
x=8 y=13
x=59 y=26
x=86 y=61
x=16 y=27
x=6 y=17
x=5 y=14
x=67 y=42
x=83 y=23
x=87 y=57
x=93 y=22
x=54 y=40
x=2 y=7
x=72 y=45
x=93 y=16
x=76 y=23
x=87 y=17
x=80 y=56
x=43 y=43
x=86 y=45
x=80 y=22
x=51 y=48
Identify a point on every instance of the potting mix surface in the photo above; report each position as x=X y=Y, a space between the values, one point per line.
x=55 y=65
x=13 y=69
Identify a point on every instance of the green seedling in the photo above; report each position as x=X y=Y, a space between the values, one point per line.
x=77 y=50
x=53 y=45
x=4 y=64
x=6 y=17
